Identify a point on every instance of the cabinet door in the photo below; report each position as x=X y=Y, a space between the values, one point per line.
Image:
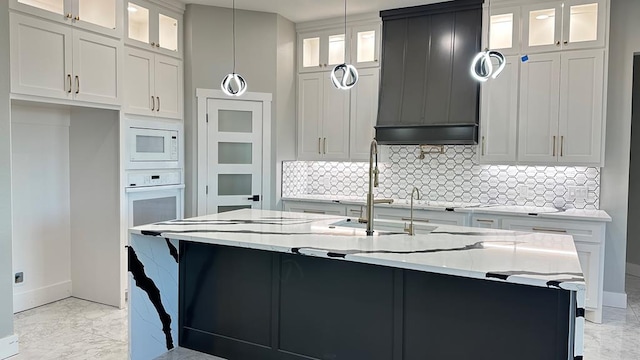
x=309 y=52
x=315 y=208
x=541 y=27
x=310 y=106
x=581 y=113
x=55 y=10
x=365 y=45
x=504 y=29
x=139 y=84
x=41 y=58
x=499 y=115
x=138 y=23
x=101 y=16
x=96 y=68
x=589 y=255
x=335 y=121
x=539 y=100
x=168 y=87
x=584 y=24
x=169 y=32
x=364 y=111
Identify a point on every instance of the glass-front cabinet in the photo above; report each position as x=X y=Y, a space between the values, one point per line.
x=573 y=24
x=504 y=30
x=98 y=16
x=152 y=27
x=324 y=49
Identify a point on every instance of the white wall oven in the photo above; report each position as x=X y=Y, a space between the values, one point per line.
x=154 y=196
x=153 y=145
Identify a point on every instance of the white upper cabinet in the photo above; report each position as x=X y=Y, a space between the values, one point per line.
x=364 y=113
x=153 y=85
x=103 y=16
x=56 y=61
x=150 y=26
x=322 y=50
x=561 y=108
x=572 y=24
x=504 y=30
x=499 y=116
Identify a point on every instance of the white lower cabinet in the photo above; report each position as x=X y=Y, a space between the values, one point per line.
x=486 y=221
x=421 y=216
x=315 y=208
x=589 y=239
x=56 y=61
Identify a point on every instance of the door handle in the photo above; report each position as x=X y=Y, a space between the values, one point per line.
x=70 y=85
x=77 y=84
x=254 y=198
x=153 y=103
x=158 y=97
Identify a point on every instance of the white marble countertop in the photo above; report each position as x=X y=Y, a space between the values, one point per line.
x=537 y=259
x=515 y=210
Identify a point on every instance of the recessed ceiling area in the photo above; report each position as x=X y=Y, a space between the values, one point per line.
x=306 y=10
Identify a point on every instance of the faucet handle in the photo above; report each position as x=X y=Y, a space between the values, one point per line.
x=409 y=230
x=375 y=177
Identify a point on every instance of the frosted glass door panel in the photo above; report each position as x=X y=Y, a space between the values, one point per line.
x=542 y=27
x=366 y=43
x=138 y=22
x=168 y=32
x=501 y=31
x=101 y=13
x=336 y=49
x=235 y=184
x=222 y=209
x=235 y=121
x=55 y=6
x=311 y=52
x=234 y=153
x=583 y=23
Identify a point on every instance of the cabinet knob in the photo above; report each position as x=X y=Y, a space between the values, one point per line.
x=566 y=42
x=153 y=43
x=558 y=43
x=77 y=18
x=157 y=45
x=69 y=16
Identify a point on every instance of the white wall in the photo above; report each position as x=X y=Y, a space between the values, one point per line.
x=41 y=209
x=6 y=280
x=614 y=191
x=208 y=58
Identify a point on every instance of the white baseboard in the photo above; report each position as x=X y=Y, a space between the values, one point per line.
x=8 y=346
x=33 y=298
x=614 y=299
x=633 y=269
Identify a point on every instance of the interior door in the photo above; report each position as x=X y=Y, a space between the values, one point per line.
x=234 y=155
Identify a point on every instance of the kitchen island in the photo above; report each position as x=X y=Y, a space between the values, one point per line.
x=254 y=284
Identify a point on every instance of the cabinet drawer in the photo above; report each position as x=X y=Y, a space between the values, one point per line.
x=421 y=216
x=355 y=211
x=315 y=208
x=486 y=221
x=581 y=231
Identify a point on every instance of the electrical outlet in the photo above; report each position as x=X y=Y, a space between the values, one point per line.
x=18 y=278
x=581 y=193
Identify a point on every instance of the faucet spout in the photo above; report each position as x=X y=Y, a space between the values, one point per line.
x=410 y=230
x=373 y=182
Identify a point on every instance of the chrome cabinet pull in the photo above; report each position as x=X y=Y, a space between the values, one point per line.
x=325 y=146
x=562 y=145
x=320 y=146
x=77 y=84
x=559 y=231
x=153 y=103
x=158 y=97
x=484 y=221
x=554 y=146
x=70 y=85
x=483 y=145
x=416 y=219
x=313 y=212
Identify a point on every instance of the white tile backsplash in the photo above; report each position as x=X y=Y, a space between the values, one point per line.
x=452 y=176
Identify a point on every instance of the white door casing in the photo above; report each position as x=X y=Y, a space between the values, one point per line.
x=208 y=167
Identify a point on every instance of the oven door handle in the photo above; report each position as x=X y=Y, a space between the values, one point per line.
x=153 y=188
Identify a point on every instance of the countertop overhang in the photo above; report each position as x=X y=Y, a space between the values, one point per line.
x=536 y=259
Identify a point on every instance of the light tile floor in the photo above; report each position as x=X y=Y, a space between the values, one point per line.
x=78 y=329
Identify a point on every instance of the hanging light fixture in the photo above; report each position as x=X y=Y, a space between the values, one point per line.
x=234 y=84
x=344 y=76
x=482 y=66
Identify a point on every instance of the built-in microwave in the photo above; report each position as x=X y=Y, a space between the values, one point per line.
x=153 y=144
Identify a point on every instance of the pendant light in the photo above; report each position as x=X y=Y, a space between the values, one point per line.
x=234 y=84
x=344 y=76
x=482 y=66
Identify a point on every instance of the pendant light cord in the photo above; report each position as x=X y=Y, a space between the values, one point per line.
x=234 y=36
x=345 y=32
x=488 y=26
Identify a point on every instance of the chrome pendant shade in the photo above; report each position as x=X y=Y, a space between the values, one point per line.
x=483 y=68
x=344 y=76
x=234 y=84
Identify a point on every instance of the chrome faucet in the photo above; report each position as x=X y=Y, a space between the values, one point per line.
x=410 y=229
x=373 y=182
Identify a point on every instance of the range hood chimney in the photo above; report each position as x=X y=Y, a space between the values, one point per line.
x=427 y=95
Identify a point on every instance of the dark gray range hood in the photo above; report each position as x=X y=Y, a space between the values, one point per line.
x=427 y=95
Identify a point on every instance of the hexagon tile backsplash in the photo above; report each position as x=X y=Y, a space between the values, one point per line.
x=453 y=176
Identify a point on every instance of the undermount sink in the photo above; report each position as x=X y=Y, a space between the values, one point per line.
x=382 y=225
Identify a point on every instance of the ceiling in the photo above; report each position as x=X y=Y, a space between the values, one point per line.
x=305 y=10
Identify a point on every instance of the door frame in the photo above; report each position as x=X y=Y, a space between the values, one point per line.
x=202 y=97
